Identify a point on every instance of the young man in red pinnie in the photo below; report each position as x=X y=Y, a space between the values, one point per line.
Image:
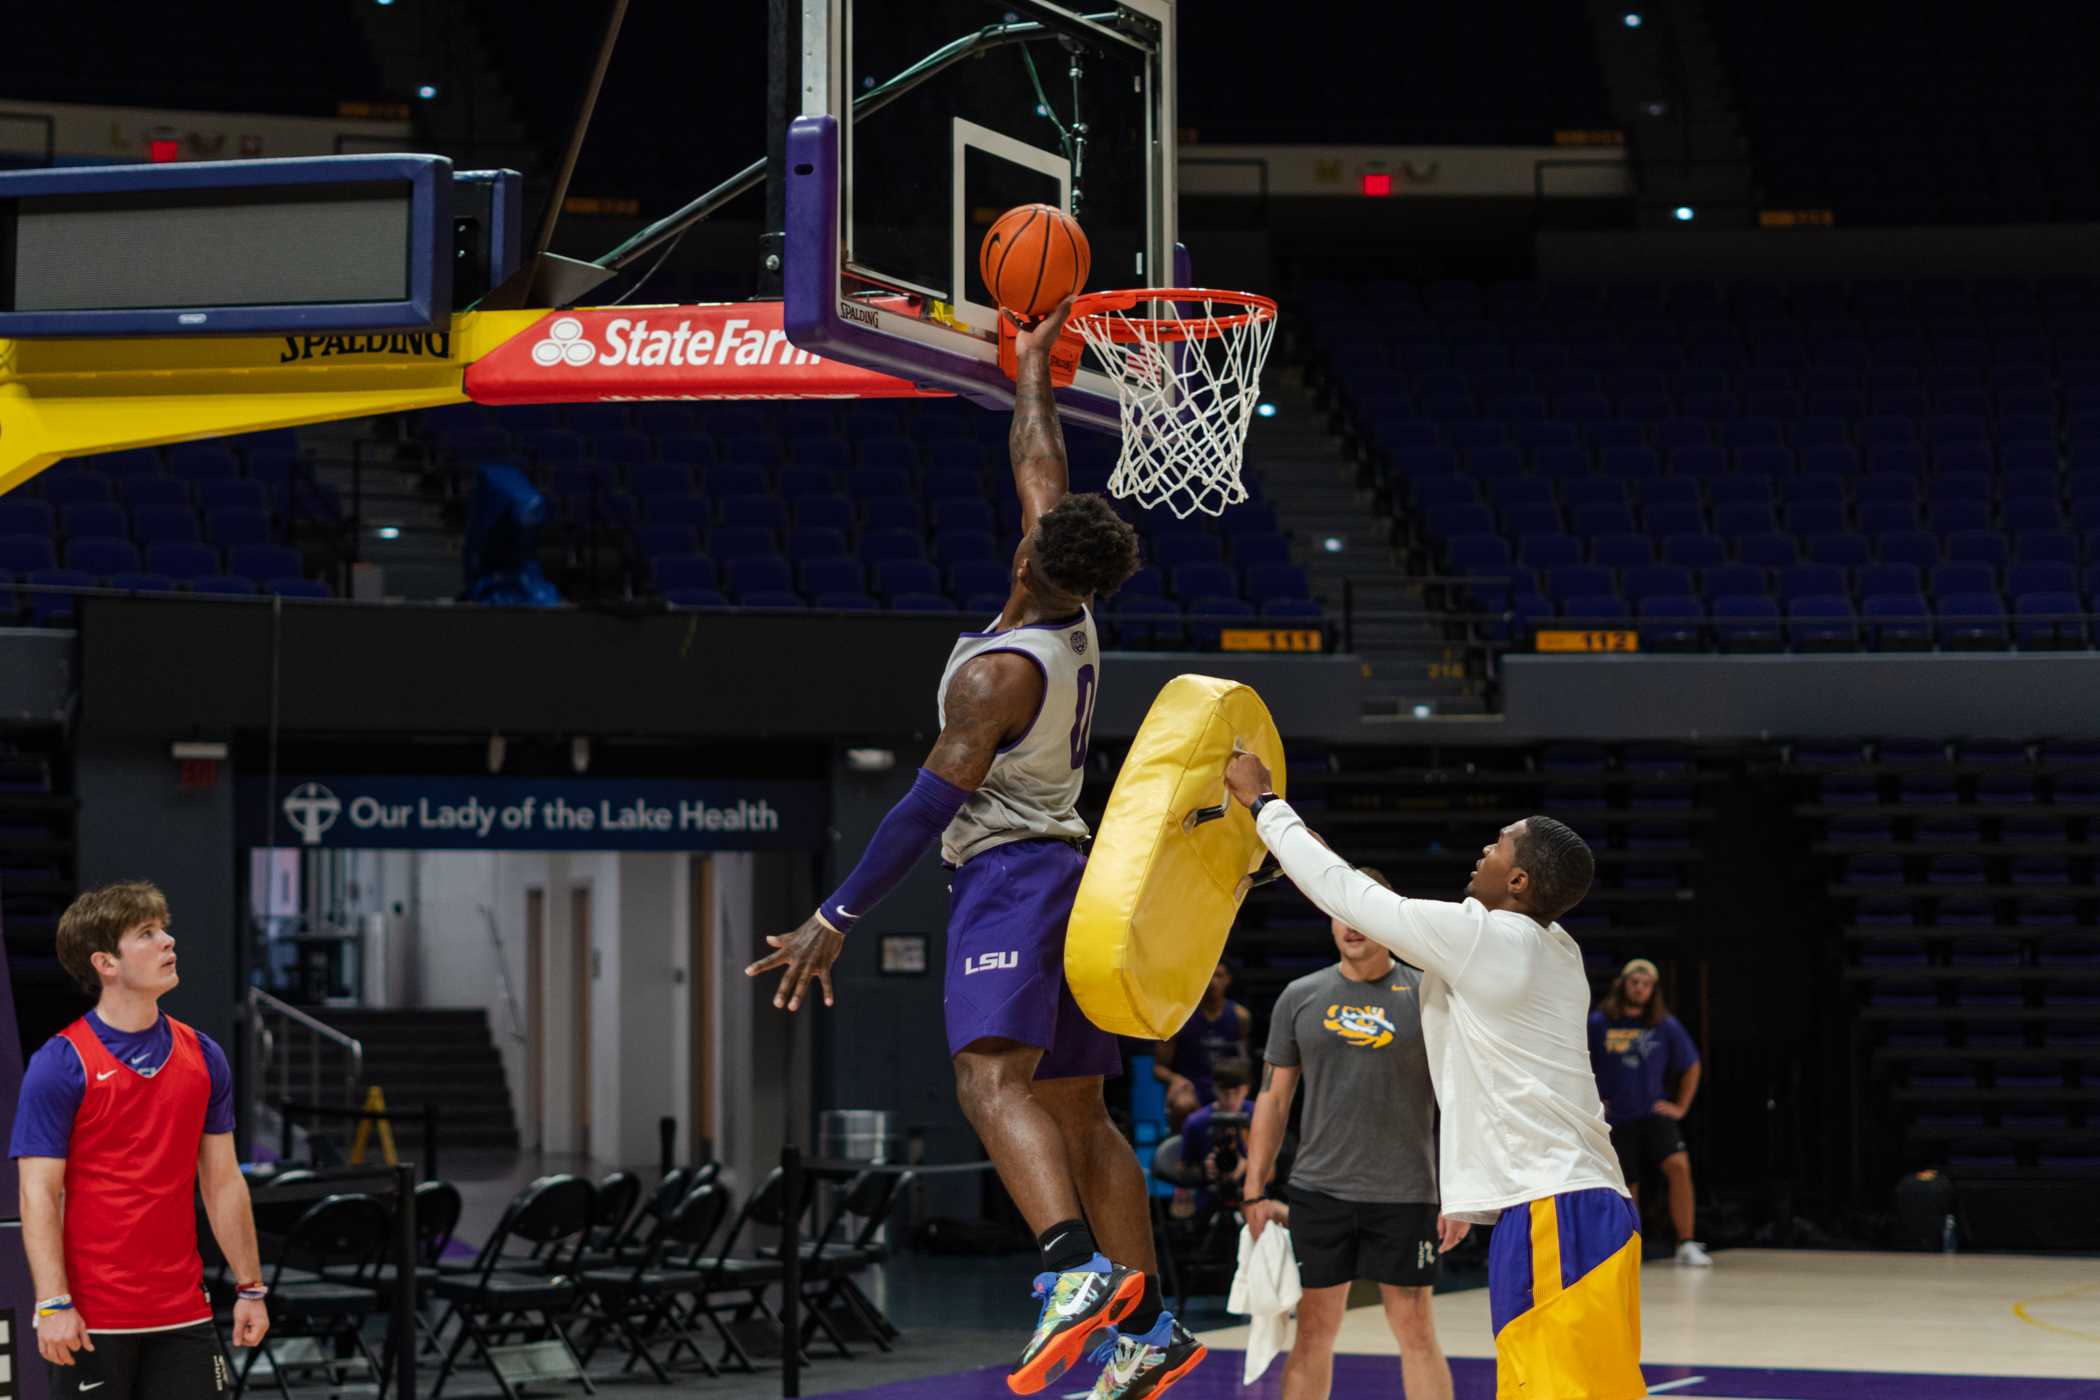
x=124 y=1115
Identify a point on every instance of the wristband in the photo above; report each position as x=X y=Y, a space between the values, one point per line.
x=1262 y=801
x=58 y=1303
x=251 y=1292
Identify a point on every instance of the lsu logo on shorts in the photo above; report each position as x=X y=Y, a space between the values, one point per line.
x=1366 y=1027
x=1564 y=1286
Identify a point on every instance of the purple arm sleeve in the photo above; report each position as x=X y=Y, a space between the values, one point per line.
x=913 y=824
x=52 y=1086
x=218 y=1113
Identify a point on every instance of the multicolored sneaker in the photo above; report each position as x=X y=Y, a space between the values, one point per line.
x=1080 y=1307
x=1145 y=1367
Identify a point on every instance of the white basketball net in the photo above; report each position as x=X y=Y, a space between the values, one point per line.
x=1188 y=386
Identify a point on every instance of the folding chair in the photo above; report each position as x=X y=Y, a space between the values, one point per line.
x=829 y=1266
x=746 y=1279
x=344 y=1233
x=553 y=1216
x=438 y=1207
x=639 y=1301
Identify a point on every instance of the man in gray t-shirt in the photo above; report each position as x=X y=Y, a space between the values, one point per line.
x=1363 y=1192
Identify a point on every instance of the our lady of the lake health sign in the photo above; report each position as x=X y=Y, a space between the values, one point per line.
x=537 y=814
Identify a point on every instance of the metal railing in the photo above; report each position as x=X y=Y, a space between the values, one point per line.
x=266 y=1016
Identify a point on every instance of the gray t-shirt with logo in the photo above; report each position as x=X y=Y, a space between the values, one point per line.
x=1367 y=1131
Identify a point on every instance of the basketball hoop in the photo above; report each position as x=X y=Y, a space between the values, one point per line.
x=1187 y=376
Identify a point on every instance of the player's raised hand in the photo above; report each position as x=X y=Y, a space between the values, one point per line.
x=1040 y=337
x=1246 y=778
x=807 y=952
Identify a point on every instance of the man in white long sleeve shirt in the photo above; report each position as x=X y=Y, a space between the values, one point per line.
x=1504 y=1007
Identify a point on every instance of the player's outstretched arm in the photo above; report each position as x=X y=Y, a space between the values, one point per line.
x=1338 y=888
x=990 y=700
x=1037 y=442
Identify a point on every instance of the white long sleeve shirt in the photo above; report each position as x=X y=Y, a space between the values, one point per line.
x=1505 y=1008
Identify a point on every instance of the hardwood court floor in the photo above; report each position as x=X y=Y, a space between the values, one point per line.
x=1760 y=1325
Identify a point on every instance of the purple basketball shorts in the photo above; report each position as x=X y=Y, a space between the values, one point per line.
x=1006 y=958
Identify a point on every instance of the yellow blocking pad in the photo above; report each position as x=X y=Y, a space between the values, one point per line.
x=1160 y=894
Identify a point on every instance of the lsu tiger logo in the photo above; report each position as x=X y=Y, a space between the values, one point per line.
x=1365 y=1027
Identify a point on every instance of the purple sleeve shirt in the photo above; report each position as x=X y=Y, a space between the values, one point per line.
x=53 y=1084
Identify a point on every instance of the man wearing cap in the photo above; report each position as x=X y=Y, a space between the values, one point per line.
x=1638 y=1048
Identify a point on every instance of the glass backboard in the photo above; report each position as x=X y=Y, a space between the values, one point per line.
x=908 y=150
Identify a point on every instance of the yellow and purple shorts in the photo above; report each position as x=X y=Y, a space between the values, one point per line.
x=1564 y=1286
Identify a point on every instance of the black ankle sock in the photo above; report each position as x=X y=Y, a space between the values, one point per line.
x=1145 y=1316
x=1066 y=1245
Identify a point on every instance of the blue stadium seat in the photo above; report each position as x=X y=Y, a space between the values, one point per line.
x=807 y=542
x=1629 y=462
x=1588 y=521
x=1657 y=580
x=1887 y=517
x=1209 y=615
x=757 y=574
x=683 y=573
x=1897 y=621
x=1593 y=609
x=1956 y=578
x=1735 y=521
x=1267 y=548
x=264 y=562
x=50 y=597
x=102 y=556
x=1744 y=488
x=1549 y=551
x=182 y=561
x=200 y=461
x=798 y=482
x=1205 y=579
x=832 y=576
x=2046 y=621
x=144 y=583
x=1746 y=622
x=20 y=515
x=1822 y=622
x=733 y=542
x=970 y=578
x=1977 y=547
x=166 y=491
x=892 y=513
x=1695 y=550
x=922 y=603
x=1622 y=551
x=1799 y=581
x=1807 y=518
x=1846 y=550
x=125 y=466
x=96 y=520
x=1268 y=583
x=1769 y=550
x=1575 y=580
x=1666 y=521
x=894 y=576
x=880 y=546
x=1671 y=622
x=1913 y=547
x=957 y=546
x=1871 y=579
x=69 y=486
x=661 y=540
x=1973 y=621
x=1721 y=579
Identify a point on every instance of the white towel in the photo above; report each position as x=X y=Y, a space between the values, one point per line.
x=1265 y=1288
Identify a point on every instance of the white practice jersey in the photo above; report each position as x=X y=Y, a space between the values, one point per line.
x=1033 y=787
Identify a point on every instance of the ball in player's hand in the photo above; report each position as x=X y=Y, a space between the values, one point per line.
x=1032 y=258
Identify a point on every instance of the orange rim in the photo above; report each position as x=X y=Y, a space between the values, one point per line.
x=1098 y=310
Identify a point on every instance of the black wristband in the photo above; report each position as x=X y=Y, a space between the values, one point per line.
x=1262 y=800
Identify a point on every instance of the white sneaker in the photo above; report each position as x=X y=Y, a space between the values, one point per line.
x=1692 y=1255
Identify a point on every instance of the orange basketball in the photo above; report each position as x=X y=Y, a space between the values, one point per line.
x=1034 y=257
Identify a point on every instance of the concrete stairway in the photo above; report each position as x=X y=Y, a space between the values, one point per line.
x=1309 y=475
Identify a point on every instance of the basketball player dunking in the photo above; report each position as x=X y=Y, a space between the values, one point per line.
x=1000 y=792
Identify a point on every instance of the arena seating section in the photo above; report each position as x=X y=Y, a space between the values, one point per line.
x=210 y=517
x=1965 y=876
x=1935 y=113
x=1817 y=466
x=871 y=506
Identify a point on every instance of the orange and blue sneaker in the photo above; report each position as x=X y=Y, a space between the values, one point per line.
x=1080 y=1309
x=1148 y=1366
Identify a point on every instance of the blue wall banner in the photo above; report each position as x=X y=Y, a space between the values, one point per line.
x=455 y=813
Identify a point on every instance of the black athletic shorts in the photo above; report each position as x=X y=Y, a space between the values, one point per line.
x=182 y=1363
x=1343 y=1241
x=1643 y=1143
